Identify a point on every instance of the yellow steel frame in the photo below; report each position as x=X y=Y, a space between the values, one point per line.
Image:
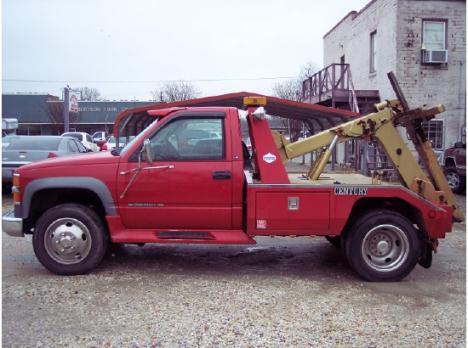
x=382 y=126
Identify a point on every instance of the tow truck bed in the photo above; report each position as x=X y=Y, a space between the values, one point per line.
x=337 y=178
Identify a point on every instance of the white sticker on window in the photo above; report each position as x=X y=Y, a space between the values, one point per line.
x=269 y=158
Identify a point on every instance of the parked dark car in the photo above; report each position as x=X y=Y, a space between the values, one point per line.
x=27 y=149
x=455 y=167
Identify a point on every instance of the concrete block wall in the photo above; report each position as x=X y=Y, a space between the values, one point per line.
x=432 y=84
x=399 y=27
x=352 y=38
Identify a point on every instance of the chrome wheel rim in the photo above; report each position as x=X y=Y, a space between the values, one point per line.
x=67 y=241
x=453 y=180
x=385 y=248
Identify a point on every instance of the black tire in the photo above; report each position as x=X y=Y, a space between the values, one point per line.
x=114 y=249
x=334 y=240
x=382 y=246
x=76 y=239
x=455 y=180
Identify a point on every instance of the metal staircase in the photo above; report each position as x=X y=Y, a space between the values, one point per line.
x=333 y=86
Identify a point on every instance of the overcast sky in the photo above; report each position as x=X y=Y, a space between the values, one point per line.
x=125 y=49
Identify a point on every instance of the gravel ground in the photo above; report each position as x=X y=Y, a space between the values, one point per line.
x=282 y=292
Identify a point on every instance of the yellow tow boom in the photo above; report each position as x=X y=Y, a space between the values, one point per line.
x=381 y=126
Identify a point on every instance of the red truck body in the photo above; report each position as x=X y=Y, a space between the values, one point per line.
x=212 y=201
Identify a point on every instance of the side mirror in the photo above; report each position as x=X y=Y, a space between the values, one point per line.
x=147 y=149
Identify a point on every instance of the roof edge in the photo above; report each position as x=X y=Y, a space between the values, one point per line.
x=351 y=13
x=354 y=14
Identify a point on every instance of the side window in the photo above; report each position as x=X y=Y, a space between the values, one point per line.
x=435 y=133
x=63 y=147
x=88 y=138
x=373 y=52
x=190 y=139
x=72 y=146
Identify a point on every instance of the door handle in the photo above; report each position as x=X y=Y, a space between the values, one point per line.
x=221 y=175
x=170 y=166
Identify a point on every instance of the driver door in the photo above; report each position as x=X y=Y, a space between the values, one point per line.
x=189 y=185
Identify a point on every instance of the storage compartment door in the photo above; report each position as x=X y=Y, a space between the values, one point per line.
x=283 y=213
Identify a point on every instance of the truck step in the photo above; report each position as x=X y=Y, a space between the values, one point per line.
x=185 y=235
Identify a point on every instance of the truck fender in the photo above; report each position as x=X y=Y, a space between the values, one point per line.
x=75 y=182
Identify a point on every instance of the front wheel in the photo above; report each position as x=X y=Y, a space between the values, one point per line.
x=70 y=239
x=383 y=245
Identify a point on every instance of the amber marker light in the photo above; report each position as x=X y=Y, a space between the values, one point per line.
x=255 y=101
x=15 y=189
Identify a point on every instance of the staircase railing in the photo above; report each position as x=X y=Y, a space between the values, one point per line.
x=352 y=96
x=323 y=83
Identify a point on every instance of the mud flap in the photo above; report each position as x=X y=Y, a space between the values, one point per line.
x=426 y=256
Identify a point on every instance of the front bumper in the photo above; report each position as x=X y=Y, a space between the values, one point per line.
x=12 y=226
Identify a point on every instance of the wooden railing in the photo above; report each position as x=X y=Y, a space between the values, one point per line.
x=321 y=85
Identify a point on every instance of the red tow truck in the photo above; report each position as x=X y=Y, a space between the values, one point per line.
x=189 y=178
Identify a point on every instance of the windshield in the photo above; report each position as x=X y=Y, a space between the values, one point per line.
x=137 y=138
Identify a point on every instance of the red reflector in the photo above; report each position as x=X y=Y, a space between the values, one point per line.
x=52 y=155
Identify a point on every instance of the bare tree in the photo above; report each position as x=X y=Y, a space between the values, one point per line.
x=292 y=90
x=307 y=70
x=89 y=94
x=175 y=91
x=289 y=89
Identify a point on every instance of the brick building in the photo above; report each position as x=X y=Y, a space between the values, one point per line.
x=423 y=42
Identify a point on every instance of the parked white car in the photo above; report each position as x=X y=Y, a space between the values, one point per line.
x=84 y=138
x=99 y=136
x=110 y=144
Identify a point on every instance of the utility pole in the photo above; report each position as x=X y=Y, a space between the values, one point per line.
x=66 y=109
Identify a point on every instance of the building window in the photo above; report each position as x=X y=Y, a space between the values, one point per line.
x=434 y=130
x=373 y=52
x=434 y=35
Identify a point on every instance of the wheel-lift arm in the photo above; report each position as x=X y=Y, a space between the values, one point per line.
x=381 y=126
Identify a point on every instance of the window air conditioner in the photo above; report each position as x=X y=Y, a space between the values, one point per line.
x=434 y=57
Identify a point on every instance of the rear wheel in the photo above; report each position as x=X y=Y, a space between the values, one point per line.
x=383 y=246
x=455 y=180
x=70 y=239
